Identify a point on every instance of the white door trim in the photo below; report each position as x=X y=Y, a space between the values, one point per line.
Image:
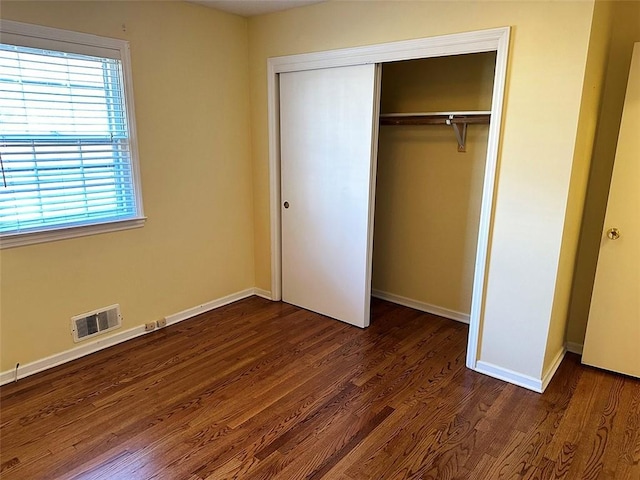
x=496 y=39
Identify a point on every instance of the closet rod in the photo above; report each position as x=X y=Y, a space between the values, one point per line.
x=439 y=118
x=457 y=120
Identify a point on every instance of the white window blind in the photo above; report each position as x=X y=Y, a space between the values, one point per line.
x=67 y=158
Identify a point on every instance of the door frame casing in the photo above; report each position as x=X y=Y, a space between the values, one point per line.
x=496 y=39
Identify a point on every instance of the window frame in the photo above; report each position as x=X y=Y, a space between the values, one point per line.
x=37 y=36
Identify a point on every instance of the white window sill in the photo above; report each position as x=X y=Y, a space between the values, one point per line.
x=30 y=238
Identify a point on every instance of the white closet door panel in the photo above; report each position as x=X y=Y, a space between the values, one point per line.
x=613 y=331
x=328 y=135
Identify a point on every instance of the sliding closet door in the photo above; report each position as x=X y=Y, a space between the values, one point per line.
x=328 y=130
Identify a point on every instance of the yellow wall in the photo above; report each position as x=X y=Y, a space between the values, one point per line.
x=625 y=20
x=428 y=194
x=543 y=93
x=591 y=101
x=190 y=75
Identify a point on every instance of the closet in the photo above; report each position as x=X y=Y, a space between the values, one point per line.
x=403 y=136
x=432 y=146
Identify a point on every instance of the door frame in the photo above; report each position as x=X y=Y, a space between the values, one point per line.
x=497 y=40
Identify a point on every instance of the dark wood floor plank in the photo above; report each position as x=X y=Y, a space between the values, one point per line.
x=261 y=389
x=416 y=443
x=601 y=440
x=293 y=410
x=629 y=456
x=351 y=444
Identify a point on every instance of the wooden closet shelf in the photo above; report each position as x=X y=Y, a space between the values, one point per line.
x=457 y=120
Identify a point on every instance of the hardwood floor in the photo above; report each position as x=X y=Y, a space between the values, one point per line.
x=259 y=390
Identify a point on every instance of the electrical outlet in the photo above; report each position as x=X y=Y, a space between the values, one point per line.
x=150 y=326
x=162 y=323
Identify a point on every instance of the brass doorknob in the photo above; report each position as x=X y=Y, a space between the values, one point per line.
x=613 y=233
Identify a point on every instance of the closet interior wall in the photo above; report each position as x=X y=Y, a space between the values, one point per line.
x=428 y=195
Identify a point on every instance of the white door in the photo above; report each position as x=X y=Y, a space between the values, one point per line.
x=328 y=141
x=613 y=331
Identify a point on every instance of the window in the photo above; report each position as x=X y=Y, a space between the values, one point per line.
x=67 y=136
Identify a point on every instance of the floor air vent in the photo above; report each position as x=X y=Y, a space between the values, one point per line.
x=94 y=323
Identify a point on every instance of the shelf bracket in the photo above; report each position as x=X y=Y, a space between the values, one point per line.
x=460 y=129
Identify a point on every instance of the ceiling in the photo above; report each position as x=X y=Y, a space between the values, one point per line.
x=249 y=8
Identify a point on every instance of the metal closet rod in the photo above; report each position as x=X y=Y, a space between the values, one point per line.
x=457 y=120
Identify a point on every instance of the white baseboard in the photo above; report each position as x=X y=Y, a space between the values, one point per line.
x=423 y=307
x=536 y=384
x=119 y=337
x=205 y=307
x=574 y=347
x=71 y=354
x=510 y=376
x=259 y=292
x=551 y=371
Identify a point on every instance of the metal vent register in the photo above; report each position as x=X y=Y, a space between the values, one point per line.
x=94 y=323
